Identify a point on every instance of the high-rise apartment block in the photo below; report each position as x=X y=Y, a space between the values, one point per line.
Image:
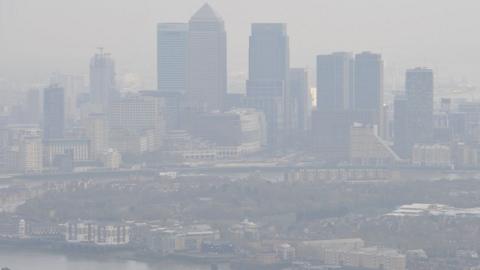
x=53 y=113
x=103 y=91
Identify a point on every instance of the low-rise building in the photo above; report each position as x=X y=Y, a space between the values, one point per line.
x=77 y=149
x=97 y=233
x=424 y=209
x=435 y=155
x=368 y=149
x=23 y=149
x=112 y=159
x=113 y=235
x=162 y=241
x=352 y=253
x=285 y=252
x=245 y=230
x=192 y=238
x=367 y=257
x=315 y=250
x=132 y=142
x=81 y=232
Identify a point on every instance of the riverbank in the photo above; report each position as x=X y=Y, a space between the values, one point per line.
x=107 y=253
x=27 y=260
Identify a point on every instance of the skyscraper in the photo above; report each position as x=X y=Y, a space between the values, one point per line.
x=332 y=121
x=34 y=106
x=301 y=100
x=267 y=85
x=419 y=93
x=400 y=126
x=172 y=57
x=102 y=82
x=73 y=86
x=368 y=97
x=207 y=63
x=53 y=113
x=335 y=79
x=269 y=53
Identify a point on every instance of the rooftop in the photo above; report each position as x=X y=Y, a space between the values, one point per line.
x=420 y=209
x=206 y=14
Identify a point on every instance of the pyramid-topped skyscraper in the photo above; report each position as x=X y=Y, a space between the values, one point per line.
x=206 y=14
x=207 y=63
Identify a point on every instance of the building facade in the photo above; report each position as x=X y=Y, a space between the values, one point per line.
x=76 y=150
x=267 y=85
x=137 y=116
x=335 y=82
x=207 y=63
x=301 y=100
x=53 y=113
x=419 y=93
x=368 y=96
x=103 y=89
x=172 y=57
x=97 y=233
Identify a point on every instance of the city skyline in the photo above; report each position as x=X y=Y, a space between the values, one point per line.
x=228 y=135
x=398 y=49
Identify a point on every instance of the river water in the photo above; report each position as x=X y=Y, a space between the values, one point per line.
x=27 y=260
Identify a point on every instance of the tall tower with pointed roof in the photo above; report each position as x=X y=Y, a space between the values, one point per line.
x=207 y=65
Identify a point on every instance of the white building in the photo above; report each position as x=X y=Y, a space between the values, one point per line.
x=434 y=155
x=81 y=232
x=285 y=252
x=112 y=159
x=245 y=230
x=97 y=233
x=31 y=153
x=97 y=132
x=423 y=209
x=253 y=130
x=22 y=229
x=79 y=149
x=113 y=235
x=193 y=237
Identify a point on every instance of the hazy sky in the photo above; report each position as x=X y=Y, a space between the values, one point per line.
x=38 y=37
